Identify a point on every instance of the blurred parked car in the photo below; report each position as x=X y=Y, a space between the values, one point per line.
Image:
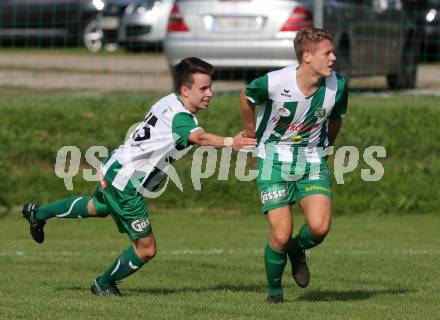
x=426 y=14
x=110 y=22
x=145 y=23
x=371 y=37
x=71 y=22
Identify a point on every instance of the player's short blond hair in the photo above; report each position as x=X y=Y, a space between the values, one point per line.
x=306 y=40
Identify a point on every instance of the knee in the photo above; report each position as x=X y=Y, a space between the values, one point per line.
x=92 y=211
x=319 y=231
x=279 y=239
x=146 y=252
x=99 y=215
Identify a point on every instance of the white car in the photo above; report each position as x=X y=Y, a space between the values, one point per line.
x=144 y=23
x=109 y=23
x=371 y=37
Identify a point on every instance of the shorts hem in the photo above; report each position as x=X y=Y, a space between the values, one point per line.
x=315 y=192
x=265 y=210
x=141 y=235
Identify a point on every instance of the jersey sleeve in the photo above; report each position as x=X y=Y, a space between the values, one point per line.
x=258 y=90
x=341 y=102
x=183 y=125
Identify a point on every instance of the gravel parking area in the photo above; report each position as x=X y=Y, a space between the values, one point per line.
x=94 y=74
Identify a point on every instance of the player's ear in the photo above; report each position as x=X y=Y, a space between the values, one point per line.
x=307 y=56
x=184 y=90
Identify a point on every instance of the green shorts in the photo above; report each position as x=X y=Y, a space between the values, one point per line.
x=127 y=209
x=276 y=191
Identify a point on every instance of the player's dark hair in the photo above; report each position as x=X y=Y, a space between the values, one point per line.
x=184 y=70
x=306 y=40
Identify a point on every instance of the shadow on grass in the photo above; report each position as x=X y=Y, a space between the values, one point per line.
x=349 y=295
x=171 y=291
x=221 y=287
x=312 y=296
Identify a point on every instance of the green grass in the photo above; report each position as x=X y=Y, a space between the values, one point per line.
x=380 y=260
x=210 y=266
x=34 y=128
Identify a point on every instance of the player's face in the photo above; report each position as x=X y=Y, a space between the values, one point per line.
x=200 y=93
x=323 y=59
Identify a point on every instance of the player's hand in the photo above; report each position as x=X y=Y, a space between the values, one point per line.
x=250 y=134
x=243 y=142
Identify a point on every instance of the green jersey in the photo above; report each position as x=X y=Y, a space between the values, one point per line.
x=289 y=120
x=146 y=154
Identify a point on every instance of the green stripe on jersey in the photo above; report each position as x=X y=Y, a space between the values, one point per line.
x=284 y=122
x=266 y=117
x=315 y=112
x=258 y=90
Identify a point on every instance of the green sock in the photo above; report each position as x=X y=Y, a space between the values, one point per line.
x=73 y=207
x=274 y=262
x=304 y=240
x=126 y=264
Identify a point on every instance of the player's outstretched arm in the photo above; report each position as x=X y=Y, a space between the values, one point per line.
x=237 y=142
x=247 y=110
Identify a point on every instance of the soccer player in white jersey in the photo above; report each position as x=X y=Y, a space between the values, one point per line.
x=139 y=165
x=300 y=114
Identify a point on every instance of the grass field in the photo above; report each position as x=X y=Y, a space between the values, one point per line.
x=380 y=260
x=210 y=266
x=35 y=128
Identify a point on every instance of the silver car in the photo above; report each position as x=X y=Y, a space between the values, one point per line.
x=109 y=22
x=145 y=23
x=372 y=37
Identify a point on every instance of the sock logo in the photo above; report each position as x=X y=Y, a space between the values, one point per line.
x=134 y=267
x=140 y=225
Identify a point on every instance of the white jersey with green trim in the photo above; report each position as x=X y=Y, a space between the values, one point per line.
x=287 y=119
x=146 y=154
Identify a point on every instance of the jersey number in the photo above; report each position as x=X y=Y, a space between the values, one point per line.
x=144 y=132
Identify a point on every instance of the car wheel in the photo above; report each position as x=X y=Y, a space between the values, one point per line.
x=405 y=78
x=93 y=36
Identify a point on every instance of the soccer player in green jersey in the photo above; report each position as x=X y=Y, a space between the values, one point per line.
x=139 y=165
x=300 y=114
